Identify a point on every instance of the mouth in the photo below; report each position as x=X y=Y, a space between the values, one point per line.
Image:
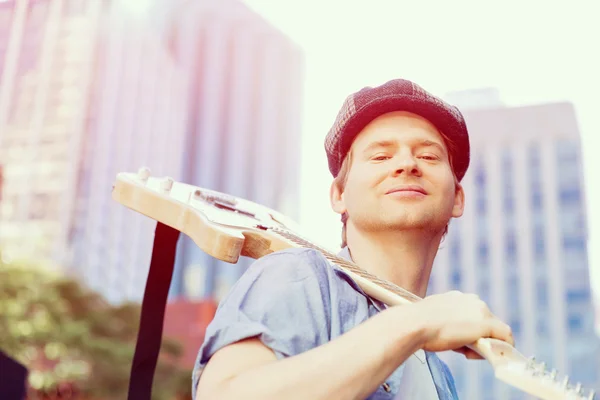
x=407 y=190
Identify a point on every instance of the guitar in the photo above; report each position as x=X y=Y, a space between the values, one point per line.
x=227 y=227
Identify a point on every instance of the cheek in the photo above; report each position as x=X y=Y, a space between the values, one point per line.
x=363 y=179
x=450 y=190
x=357 y=191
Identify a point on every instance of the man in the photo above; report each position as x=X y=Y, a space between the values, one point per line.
x=295 y=327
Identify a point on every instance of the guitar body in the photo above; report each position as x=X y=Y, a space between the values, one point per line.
x=227 y=227
x=233 y=236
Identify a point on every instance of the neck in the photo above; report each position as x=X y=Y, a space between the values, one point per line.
x=404 y=258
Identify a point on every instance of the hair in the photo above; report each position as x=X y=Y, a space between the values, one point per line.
x=342 y=177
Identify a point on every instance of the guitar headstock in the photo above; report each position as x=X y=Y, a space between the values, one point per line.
x=220 y=224
x=531 y=376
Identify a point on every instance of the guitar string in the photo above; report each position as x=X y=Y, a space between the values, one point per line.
x=345 y=264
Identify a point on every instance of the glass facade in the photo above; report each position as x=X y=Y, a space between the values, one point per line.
x=580 y=311
x=582 y=349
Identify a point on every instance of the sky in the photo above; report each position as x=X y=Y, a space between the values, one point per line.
x=531 y=51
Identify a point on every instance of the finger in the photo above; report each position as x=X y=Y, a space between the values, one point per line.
x=468 y=353
x=499 y=330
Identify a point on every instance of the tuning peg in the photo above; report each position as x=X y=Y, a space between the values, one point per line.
x=166 y=184
x=530 y=363
x=542 y=367
x=578 y=388
x=553 y=374
x=592 y=395
x=565 y=381
x=143 y=173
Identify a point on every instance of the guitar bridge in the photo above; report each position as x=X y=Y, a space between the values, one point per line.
x=223 y=202
x=215 y=198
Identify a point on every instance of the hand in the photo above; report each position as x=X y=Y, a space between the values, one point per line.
x=454 y=320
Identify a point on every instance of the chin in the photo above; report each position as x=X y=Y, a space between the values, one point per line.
x=416 y=222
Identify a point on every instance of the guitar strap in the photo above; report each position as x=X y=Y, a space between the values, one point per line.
x=13 y=378
x=153 y=312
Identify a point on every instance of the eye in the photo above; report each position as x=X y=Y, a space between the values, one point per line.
x=429 y=157
x=381 y=157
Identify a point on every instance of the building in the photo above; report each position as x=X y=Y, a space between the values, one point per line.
x=205 y=92
x=43 y=100
x=522 y=242
x=243 y=127
x=87 y=91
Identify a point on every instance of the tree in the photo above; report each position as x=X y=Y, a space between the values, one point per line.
x=66 y=333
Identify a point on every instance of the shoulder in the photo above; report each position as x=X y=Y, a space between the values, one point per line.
x=285 y=276
x=291 y=265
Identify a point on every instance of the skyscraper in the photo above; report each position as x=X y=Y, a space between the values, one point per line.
x=205 y=92
x=243 y=131
x=522 y=242
x=43 y=108
x=86 y=92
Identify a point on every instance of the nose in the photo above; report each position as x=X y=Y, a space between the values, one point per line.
x=406 y=163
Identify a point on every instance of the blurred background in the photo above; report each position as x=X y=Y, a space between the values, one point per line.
x=237 y=96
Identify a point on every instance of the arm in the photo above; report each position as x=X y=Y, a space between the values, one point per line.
x=355 y=364
x=271 y=335
x=349 y=367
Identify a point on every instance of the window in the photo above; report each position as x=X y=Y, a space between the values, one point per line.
x=513 y=294
x=511 y=249
x=535 y=177
x=507 y=178
x=570 y=196
x=515 y=325
x=481 y=204
x=536 y=198
x=455 y=262
x=578 y=295
x=575 y=323
x=509 y=204
x=567 y=158
x=542 y=294
x=539 y=245
x=480 y=183
x=484 y=291
x=572 y=221
x=574 y=243
x=482 y=253
x=456 y=279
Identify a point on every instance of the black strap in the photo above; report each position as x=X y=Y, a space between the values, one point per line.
x=153 y=312
x=13 y=378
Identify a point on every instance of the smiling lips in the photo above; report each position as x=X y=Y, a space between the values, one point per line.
x=407 y=191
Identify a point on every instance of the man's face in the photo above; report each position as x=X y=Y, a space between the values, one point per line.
x=400 y=177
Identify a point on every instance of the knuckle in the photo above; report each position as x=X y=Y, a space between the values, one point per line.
x=483 y=308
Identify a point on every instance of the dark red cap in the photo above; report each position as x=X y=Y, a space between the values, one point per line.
x=360 y=108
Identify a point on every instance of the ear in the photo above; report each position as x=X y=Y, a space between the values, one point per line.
x=459 y=201
x=336 y=198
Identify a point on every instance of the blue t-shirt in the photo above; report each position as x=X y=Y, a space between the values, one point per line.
x=295 y=300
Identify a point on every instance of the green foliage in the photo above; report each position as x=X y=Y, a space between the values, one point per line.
x=64 y=332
